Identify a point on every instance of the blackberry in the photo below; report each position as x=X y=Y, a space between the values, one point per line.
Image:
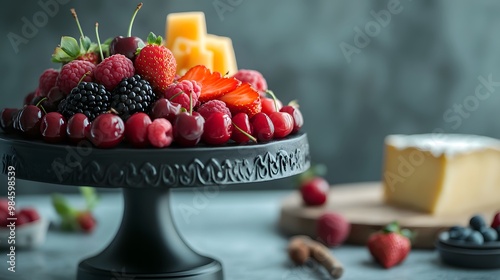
x=89 y=98
x=132 y=95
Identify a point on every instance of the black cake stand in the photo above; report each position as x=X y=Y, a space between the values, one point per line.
x=147 y=244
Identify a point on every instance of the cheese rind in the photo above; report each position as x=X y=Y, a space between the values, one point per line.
x=441 y=174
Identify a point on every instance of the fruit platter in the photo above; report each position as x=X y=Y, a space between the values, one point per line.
x=134 y=114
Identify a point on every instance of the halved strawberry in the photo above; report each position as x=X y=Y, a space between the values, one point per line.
x=243 y=99
x=213 y=85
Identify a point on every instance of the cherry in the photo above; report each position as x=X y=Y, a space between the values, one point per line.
x=16 y=120
x=263 y=127
x=283 y=124
x=136 y=130
x=242 y=130
x=30 y=120
x=217 y=129
x=4 y=205
x=269 y=106
x=3 y=219
x=160 y=133
x=314 y=191
x=7 y=119
x=51 y=101
x=86 y=221
x=30 y=213
x=163 y=108
x=127 y=45
x=53 y=127
x=188 y=128
x=29 y=97
x=78 y=128
x=107 y=130
x=298 y=120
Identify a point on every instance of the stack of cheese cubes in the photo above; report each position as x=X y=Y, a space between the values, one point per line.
x=187 y=38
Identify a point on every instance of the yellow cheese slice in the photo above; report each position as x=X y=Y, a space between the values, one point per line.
x=189 y=25
x=442 y=173
x=223 y=53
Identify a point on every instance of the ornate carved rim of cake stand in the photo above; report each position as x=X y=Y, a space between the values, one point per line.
x=124 y=167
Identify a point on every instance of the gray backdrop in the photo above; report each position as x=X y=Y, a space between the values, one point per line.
x=360 y=69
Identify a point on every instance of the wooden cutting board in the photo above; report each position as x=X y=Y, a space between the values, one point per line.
x=363 y=206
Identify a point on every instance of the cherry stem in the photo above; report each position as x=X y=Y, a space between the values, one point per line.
x=274 y=98
x=294 y=103
x=190 y=102
x=39 y=105
x=139 y=6
x=83 y=77
x=245 y=133
x=73 y=12
x=98 y=40
x=175 y=95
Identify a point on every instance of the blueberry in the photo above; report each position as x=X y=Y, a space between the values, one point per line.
x=477 y=222
x=475 y=238
x=459 y=233
x=489 y=234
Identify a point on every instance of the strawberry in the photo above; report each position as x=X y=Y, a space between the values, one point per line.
x=156 y=63
x=213 y=85
x=390 y=246
x=243 y=99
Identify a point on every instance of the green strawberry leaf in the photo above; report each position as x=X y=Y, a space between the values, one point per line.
x=105 y=47
x=314 y=171
x=70 y=46
x=61 y=206
x=85 y=44
x=392 y=227
x=154 y=40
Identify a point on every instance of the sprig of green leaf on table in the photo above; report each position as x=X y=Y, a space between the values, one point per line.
x=68 y=213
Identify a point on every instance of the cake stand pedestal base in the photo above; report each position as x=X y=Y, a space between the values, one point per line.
x=148 y=245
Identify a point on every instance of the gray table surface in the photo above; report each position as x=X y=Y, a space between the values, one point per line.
x=238 y=228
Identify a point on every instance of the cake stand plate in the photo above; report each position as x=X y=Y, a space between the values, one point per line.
x=147 y=244
x=362 y=204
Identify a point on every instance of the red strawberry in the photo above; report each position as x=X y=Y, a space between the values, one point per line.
x=390 y=246
x=86 y=221
x=30 y=213
x=243 y=99
x=156 y=63
x=213 y=85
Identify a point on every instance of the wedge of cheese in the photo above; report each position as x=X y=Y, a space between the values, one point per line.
x=224 y=57
x=442 y=173
x=187 y=38
x=189 y=25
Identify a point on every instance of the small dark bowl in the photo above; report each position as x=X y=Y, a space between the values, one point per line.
x=461 y=254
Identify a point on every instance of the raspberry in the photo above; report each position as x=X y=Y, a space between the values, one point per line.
x=30 y=213
x=332 y=229
x=212 y=106
x=47 y=81
x=112 y=70
x=160 y=133
x=71 y=74
x=179 y=93
x=254 y=78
